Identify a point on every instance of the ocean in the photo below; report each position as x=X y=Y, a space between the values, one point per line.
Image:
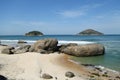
x=111 y=59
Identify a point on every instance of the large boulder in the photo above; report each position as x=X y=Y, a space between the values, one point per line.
x=84 y=50
x=66 y=45
x=44 y=44
x=22 y=49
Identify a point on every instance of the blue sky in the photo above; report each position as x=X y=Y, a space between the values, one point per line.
x=59 y=16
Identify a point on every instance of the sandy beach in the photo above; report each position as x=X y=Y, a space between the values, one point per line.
x=32 y=65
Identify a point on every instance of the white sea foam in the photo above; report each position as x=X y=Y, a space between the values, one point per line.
x=15 y=41
x=77 y=42
x=108 y=69
x=59 y=42
x=9 y=41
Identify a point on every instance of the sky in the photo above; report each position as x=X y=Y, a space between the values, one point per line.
x=59 y=16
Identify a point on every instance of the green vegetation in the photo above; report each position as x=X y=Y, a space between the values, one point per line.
x=90 y=32
x=34 y=33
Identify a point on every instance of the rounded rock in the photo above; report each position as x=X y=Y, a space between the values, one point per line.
x=69 y=74
x=46 y=76
x=2 y=77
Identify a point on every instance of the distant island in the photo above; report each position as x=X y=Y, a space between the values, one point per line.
x=90 y=32
x=34 y=33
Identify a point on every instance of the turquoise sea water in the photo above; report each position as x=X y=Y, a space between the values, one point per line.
x=111 y=42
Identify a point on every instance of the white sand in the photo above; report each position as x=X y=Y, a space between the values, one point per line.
x=30 y=66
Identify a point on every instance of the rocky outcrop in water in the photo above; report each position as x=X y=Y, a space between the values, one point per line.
x=85 y=50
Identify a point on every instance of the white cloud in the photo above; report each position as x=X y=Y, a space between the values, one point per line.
x=71 y=14
x=29 y=23
x=90 y=6
x=83 y=10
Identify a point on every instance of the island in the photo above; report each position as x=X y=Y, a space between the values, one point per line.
x=90 y=32
x=34 y=33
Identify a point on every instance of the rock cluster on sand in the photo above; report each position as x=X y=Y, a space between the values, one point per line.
x=34 y=33
x=90 y=32
x=46 y=46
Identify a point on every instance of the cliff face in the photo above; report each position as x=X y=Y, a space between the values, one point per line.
x=90 y=32
x=34 y=33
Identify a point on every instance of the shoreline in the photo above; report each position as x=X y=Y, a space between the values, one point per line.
x=93 y=64
x=51 y=58
x=24 y=65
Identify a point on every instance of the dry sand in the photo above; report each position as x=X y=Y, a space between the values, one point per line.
x=30 y=66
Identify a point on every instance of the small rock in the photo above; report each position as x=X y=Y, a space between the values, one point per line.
x=92 y=79
x=2 y=77
x=96 y=74
x=88 y=65
x=55 y=78
x=46 y=76
x=118 y=77
x=21 y=41
x=69 y=74
x=105 y=75
x=99 y=69
x=104 y=72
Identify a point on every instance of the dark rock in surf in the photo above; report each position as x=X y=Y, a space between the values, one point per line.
x=21 y=41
